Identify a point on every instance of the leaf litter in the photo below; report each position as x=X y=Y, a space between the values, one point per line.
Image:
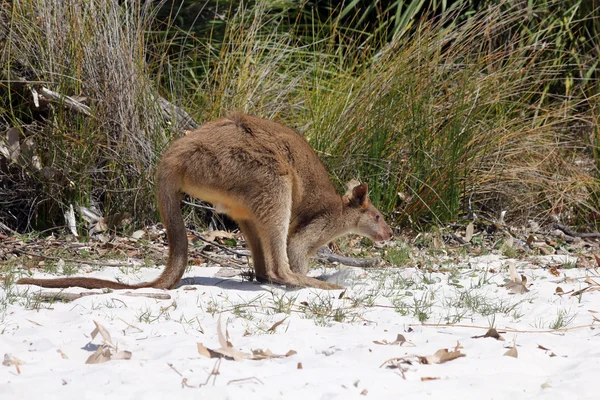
x=229 y=352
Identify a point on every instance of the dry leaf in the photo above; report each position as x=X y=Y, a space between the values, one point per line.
x=517 y=284
x=558 y=290
x=469 y=232
x=400 y=340
x=203 y=350
x=103 y=332
x=512 y=352
x=299 y=366
x=138 y=234
x=554 y=271
x=441 y=356
x=101 y=355
x=212 y=235
x=275 y=325
x=62 y=355
x=492 y=332
x=542 y=347
x=427 y=378
x=10 y=360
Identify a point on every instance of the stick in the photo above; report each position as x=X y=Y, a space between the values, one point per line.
x=177 y=114
x=89 y=262
x=325 y=255
x=66 y=100
x=570 y=232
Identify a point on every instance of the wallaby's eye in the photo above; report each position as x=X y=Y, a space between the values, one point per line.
x=377 y=217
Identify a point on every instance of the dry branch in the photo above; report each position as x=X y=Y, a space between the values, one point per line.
x=324 y=255
x=178 y=115
x=69 y=102
x=571 y=232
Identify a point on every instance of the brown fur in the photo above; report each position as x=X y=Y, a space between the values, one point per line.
x=268 y=179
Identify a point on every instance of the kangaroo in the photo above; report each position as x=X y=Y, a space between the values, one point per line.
x=268 y=179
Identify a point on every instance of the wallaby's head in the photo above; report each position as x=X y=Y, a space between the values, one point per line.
x=364 y=218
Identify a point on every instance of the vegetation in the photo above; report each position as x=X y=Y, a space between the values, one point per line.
x=445 y=108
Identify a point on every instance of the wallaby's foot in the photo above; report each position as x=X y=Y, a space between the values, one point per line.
x=297 y=280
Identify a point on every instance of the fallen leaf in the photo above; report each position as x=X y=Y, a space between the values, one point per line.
x=492 y=332
x=428 y=378
x=212 y=235
x=558 y=290
x=10 y=360
x=469 y=232
x=203 y=350
x=517 y=284
x=441 y=356
x=275 y=325
x=103 y=332
x=299 y=366
x=554 y=271
x=138 y=234
x=400 y=340
x=512 y=352
x=101 y=355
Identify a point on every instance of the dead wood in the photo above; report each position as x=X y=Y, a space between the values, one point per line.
x=68 y=296
x=325 y=255
x=571 y=232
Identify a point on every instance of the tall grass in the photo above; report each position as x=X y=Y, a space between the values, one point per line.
x=448 y=118
x=95 y=50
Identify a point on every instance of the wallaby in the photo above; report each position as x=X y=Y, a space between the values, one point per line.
x=268 y=179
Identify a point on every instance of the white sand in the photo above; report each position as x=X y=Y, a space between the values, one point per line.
x=338 y=361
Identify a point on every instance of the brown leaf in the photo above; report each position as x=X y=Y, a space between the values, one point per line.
x=469 y=232
x=101 y=355
x=103 y=332
x=441 y=356
x=542 y=347
x=492 y=333
x=400 y=340
x=558 y=290
x=275 y=325
x=299 y=366
x=203 y=350
x=10 y=360
x=554 y=271
x=530 y=240
x=212 y=235
x=428 y=378
x=291 y=353
x=597 y=259
x=512 y=352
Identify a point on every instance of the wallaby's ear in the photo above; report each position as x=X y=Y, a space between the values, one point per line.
x=357 y=194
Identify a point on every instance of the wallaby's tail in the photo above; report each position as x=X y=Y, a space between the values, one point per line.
x=168 y=185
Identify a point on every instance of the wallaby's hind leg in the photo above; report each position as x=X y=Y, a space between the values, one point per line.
x=272 y=228
x=253 y=241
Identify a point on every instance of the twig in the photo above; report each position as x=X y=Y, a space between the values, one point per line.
x=129 y=325
x=104 y=264
x=325 y=255
x=63 y=296
x=252 y=378
x=570 y=232
x=67 y=296
x=178 y=115
x=506 y=329
x=225 y=248
x=69 y=102
x=158 y=296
